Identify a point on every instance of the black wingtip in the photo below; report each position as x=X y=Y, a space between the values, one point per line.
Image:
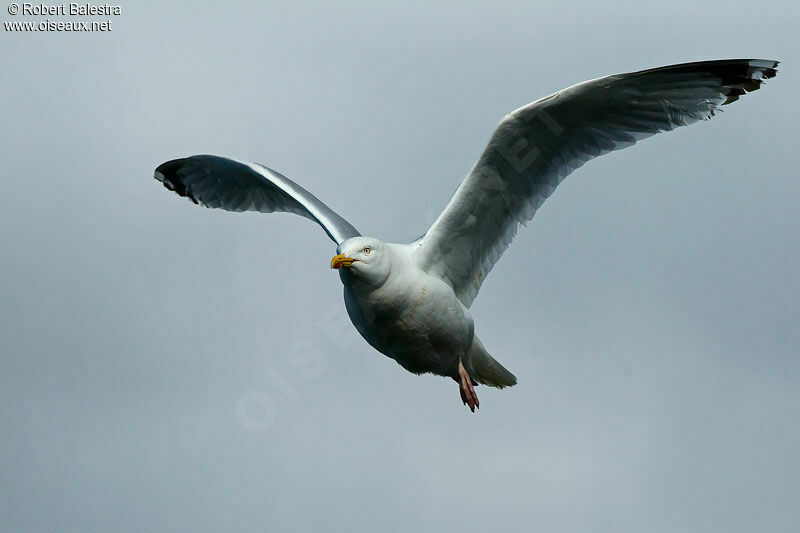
x=736 y=77
x=168 y=173
x=740 y=77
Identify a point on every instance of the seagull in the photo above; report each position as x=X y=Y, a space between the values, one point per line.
x=411 y=301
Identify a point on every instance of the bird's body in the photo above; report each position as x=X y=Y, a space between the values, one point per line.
x=411 y=301
x=412 y=317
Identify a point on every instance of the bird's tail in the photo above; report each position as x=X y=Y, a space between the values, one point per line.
x=485 y=369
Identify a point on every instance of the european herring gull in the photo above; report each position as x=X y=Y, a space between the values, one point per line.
x=411 y=301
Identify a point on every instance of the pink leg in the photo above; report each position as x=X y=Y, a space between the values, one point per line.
x=466 y=389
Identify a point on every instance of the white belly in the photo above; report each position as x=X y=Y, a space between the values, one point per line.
x=416 y=319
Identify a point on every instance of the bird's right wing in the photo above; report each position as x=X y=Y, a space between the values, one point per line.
x=215 y=181
x=538 y=145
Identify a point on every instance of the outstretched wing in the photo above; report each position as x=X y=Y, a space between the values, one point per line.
x=535 y=147
x=215 y=181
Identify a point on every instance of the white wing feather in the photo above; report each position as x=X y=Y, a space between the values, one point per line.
x=535 y=147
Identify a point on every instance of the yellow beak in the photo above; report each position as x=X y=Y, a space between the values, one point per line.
x=341 y=260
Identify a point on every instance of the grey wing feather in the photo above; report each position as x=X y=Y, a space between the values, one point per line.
x=225 y=183
x=535 y=147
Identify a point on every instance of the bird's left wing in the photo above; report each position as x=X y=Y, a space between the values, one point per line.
x=538 y=145
x=225 y=183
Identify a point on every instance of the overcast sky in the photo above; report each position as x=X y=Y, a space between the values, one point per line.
x=154 y=373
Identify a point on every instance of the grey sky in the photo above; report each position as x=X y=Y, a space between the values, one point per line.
x=649 y=310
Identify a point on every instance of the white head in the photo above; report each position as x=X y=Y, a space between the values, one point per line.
x=364 y=259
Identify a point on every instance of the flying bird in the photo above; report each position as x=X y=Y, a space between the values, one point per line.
x=411 y=301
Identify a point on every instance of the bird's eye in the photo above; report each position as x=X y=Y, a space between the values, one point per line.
x=366 y=250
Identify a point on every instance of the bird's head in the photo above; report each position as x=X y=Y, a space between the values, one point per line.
x=363 y=258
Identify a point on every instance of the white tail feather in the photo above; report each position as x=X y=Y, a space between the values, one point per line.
x=484 y=369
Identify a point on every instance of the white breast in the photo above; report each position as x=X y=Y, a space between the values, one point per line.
x=415 y=318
